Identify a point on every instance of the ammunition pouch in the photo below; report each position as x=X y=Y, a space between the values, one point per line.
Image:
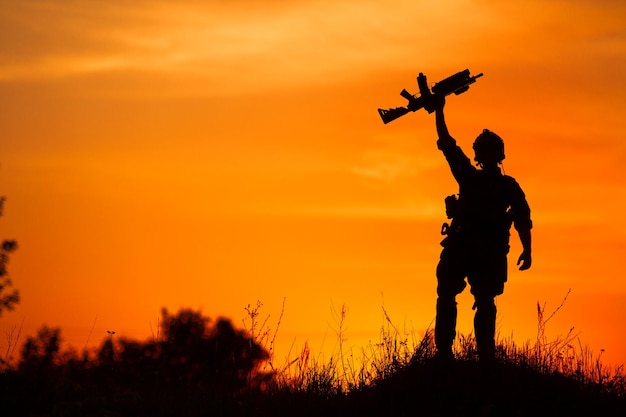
x=452 y=211
x=451 y=232
x=452 y=206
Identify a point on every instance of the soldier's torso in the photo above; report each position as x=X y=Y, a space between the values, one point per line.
x=484 y=200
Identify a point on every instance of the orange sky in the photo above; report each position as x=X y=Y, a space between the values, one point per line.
x=209 y=154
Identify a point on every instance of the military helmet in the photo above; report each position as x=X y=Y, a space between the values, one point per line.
x=488 y=146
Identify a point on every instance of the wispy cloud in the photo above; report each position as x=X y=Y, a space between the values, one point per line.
x=396 y=157
x=283 y=43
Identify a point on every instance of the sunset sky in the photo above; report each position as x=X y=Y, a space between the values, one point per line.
x=209 y=154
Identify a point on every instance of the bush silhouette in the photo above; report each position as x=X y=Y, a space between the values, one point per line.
x=194 y=362
x=41 y=353
x=192 y=350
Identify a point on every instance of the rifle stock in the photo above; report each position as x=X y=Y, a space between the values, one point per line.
x=389 y=115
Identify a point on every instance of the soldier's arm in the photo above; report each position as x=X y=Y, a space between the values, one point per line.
x=523 y=224
x=445 y=141
x=525 y=260
x=460 y=164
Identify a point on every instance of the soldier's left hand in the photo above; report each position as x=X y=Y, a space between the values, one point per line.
x=525 y=260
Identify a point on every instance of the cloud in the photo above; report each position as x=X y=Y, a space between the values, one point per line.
x=242 y=46
x=396 y=156
x=272 y=44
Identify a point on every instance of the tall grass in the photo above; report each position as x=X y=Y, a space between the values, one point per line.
x=12 y=339
x=347 y=370
x=398 y=349
x=565 y=355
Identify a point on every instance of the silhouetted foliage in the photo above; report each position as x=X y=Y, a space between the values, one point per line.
x=192 y=350
x=8 y=297
x=194 y=362
x=42 y=352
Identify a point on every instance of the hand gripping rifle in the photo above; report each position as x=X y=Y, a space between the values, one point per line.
x=457 y=84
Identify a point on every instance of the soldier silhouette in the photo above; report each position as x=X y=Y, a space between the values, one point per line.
x=477 y=239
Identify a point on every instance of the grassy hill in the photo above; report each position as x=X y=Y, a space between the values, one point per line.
x=464 y=388
x=522 y=382
x=201 y=367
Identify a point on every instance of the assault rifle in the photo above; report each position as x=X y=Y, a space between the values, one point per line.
x=457 y=84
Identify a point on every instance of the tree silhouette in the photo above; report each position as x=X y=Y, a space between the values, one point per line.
x=43 y=352
x=195 y=366
x=8 y=296
x=191 y=350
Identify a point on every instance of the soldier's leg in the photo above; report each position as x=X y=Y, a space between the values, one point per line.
x=485 y=326
x=445 y=324
x=450 y=282
x=487 y=278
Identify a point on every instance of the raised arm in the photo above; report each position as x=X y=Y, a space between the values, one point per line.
x=459 y=163
x=445 y=140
